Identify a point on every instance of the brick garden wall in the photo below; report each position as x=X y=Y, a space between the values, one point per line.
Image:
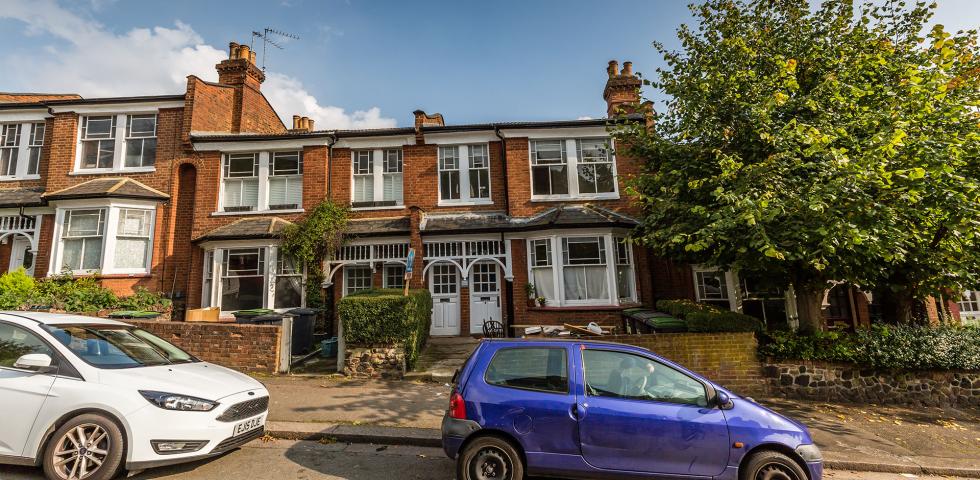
x=728 y=359
x=246 y=348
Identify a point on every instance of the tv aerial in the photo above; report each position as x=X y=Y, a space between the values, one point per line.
x=271 y=36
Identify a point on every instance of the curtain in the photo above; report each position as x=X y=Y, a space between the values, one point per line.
x=544 y=282
x=586 y=283
x=131 y=252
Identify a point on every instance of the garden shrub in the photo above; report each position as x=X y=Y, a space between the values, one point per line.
x=144 y=300
x=386 y=317
x=887 y=347
x=15 y=289
x=77 y=295
x=682 y=307
x=722 y=321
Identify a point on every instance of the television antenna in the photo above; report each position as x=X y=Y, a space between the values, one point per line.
x=271 y=36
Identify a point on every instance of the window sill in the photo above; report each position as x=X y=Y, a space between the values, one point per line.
x=577 y=198
x=18 y=179
x=100 y=276
x=365 y=209
x=256 y=212
x=583 y=308
x=103 y=171
x=471 y=203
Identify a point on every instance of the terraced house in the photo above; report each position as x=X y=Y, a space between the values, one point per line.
x=187 y=193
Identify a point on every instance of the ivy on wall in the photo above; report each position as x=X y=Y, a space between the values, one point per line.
x=313 y=239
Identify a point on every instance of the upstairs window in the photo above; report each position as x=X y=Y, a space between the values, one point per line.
x=377 y=178
x=241 y=182
x=286 y=181
x=141 y=140
x=117 y=142
x=464 y=174
x=9 y=149
x=34 y=148
x=573 y=169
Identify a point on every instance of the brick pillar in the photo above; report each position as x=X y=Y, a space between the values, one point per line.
x=415 y=241
x=464 y=311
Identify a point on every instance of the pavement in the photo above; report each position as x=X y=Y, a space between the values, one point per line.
x=920 y=441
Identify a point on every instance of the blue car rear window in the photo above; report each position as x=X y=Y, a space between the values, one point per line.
x=529 y=368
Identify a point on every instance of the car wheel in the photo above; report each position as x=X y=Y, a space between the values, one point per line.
x=87 y=447
x=490 y=458
x=771 y=465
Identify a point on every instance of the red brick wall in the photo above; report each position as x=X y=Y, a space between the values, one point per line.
x=728 y=359
x=5 y=255
x=247 y=348
x=208 y=107
x=258 y=116
x=670 y=279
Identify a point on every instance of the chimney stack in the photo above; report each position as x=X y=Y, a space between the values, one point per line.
x=424 y=119
x=240 y=68
x=622 y=92
x=302 y=124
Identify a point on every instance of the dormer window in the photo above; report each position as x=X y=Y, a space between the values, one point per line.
x=117 y=143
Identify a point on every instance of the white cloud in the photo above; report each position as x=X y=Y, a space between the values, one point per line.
x=584 y=117
x=93 y=61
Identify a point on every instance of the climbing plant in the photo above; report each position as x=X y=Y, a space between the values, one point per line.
x=313 y=239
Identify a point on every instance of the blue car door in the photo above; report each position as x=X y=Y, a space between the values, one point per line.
x=640 y=415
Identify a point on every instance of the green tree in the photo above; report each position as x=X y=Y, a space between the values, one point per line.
x=808 y=146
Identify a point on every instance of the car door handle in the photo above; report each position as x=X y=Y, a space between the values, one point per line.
x=578 y=411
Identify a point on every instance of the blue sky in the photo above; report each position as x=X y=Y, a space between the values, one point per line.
x=358 y=63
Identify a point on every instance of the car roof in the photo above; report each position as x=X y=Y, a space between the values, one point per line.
x=579 y=341
x=46 y=318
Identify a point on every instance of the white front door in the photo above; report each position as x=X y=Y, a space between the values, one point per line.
x=444 y=285
x=484 y=295
x=21 y=256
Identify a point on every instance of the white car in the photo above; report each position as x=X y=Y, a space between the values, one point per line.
x=86 y=397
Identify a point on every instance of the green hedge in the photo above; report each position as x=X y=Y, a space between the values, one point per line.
x=385 y=316
x=77 y=295
x=705 y=318
x=901 y=347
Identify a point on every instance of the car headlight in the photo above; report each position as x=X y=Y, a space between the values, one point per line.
x=173 y=401
x=809 y=453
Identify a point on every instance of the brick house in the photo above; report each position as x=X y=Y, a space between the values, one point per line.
x=187 y=193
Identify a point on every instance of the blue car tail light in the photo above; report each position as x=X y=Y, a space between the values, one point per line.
x=457 y=407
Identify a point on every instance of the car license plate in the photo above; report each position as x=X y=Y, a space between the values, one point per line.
x=247 y=426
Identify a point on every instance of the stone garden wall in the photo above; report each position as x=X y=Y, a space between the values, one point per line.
x=375 y=361
x=832 y=382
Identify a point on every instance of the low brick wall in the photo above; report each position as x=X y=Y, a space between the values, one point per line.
x=728 y=359
x=841 y=382
x=246 y=348
x=374 y=361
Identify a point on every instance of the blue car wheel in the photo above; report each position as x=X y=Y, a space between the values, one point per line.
x=771 y=465
x=489 y=458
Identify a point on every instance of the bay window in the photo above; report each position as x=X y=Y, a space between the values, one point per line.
x=123 y=142
x=105 y=237
x=377 y=178
x=585 y=273
x=572 y=169
x=464 y=174
x=244 y=277
x=262 y=181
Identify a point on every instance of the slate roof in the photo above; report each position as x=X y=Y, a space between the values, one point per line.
x=21 y=197
x=564 y=216
x=106 y=188
x=247 y=228
x=379 y=226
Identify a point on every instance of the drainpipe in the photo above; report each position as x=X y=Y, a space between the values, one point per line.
x=331 y=141
x=508 y=286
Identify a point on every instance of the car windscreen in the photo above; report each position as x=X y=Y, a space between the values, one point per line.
x=117 y=346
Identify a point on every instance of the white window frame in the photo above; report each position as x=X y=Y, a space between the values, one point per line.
x=377 y=175
x=557 y=268
x=22 y=150
x=264 y=177
x=572 y=162
x=386 y=275
x=627 y=263
x=732 y=282
x=464 y=168
x=119 y=137
x=970 y=316
x=347 y=280
x=110 y=234
x=214 y=255
x=142 y=139
x=293 y=180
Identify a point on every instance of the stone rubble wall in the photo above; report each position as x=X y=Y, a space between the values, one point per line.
x=375 y=361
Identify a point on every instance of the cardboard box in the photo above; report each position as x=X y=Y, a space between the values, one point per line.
x=202 y=314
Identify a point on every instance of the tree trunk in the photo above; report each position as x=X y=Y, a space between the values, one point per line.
x=809 y=306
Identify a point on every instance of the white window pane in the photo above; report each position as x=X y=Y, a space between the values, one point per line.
x=233 y=193
x=92 y=254
x=99 y=127
x=71 y=256
x=287 y=163
x=363 y=188
x=392 y=187
x=278 y=191
x=585 y=283
x=141 y=126
x=134 y=223
x=544 y=152
x=131 y=252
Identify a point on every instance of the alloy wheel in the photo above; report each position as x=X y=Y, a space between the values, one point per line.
x=491 y=464
x=775 y=471
x=80 y=452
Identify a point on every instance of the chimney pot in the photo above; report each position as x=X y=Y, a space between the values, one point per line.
x=613 y=68
x=295 y=122
x=251 y=57
x=310 y=120
x=628 y=69
x=244 y=51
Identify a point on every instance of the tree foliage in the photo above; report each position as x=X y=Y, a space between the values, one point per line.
x=811 y=146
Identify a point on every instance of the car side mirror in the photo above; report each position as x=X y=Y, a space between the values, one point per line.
x=723 y=401
x=35 y=362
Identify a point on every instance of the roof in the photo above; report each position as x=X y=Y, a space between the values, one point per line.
x=247 y=228
x=112 y=187
x=379 y=226
x=564 y=216
x=378 y=132
x=21 y=197
x=46 y=318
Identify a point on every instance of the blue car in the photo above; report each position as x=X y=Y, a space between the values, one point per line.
x=593 y=409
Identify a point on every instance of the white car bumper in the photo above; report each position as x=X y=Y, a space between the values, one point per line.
x=237 y=420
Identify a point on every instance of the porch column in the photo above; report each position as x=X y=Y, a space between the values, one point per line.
x=415 y=241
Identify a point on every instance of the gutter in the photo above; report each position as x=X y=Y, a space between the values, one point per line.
x=508 y=286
